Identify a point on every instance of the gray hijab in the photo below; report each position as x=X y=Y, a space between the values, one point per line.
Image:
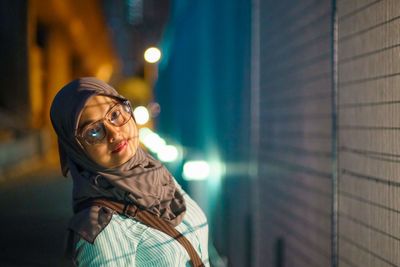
x=143 y=180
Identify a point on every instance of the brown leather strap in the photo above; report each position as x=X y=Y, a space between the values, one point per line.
x=148 y=219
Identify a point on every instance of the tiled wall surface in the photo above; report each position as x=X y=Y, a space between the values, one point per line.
x=368 y=131
x=295 y=129
x=328 y=185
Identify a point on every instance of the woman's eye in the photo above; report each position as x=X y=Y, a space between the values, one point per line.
x=115 y=115
x=94 y=131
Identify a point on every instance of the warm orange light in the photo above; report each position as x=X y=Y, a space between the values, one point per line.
x=104 y=72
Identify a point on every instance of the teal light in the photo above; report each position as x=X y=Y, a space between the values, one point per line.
x=196 y=170
x=168 y=153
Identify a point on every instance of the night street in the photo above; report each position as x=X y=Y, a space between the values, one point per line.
x=280 y=119
x=35 y=210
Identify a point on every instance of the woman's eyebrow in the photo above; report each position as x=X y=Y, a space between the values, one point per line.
x=87 y=122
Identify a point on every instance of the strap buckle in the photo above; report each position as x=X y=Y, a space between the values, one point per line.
x=129 y=210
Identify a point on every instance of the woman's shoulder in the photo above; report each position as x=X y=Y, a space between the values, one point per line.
x=115 y=245
x=90 y=222
x=194 y=213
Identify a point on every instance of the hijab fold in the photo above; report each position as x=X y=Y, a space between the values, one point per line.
x=142 y=180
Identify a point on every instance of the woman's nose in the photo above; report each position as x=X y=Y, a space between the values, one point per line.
x=112 y=132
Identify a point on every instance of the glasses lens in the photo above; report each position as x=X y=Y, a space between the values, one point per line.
x=94 y=133
x=119 y=115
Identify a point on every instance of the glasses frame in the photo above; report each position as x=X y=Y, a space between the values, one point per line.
x=123 y=103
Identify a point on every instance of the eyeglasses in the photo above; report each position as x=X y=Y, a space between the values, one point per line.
x=95 y=132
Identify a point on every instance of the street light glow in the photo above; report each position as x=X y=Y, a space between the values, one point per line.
x=168 y=153
x=151 y=140
x=157 y=145
x=196 y=170
x=141 y=115
x=152 y=54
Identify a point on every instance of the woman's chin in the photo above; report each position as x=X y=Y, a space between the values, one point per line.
x=122 y=158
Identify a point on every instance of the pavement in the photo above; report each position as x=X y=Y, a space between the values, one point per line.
x=35 y=208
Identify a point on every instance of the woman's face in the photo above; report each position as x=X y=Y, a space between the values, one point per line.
x=119 y=144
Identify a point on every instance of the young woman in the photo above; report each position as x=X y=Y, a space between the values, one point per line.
x=128 y=209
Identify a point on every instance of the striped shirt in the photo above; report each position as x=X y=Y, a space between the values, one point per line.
x=127 y=242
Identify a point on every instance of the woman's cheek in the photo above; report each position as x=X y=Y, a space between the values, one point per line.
x=99 y=153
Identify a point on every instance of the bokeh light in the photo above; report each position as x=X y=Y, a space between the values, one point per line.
x=141 y=114
x=196 y=170
x=168 y=153
x=152 y=54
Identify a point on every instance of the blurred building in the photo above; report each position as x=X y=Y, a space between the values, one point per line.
x=66 y=39
x=134 y=26
x=45 y=44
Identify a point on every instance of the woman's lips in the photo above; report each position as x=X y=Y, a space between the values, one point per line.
x=122 y=145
